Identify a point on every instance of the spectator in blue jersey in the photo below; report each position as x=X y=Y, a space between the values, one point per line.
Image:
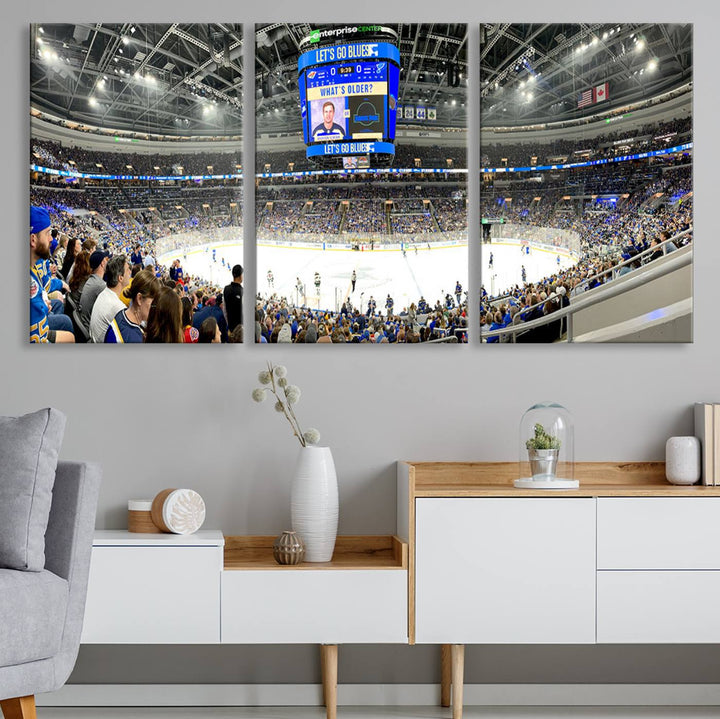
x=128 y=325
x=41 y=282
x=213 y=308
x=328 y=129
x=136 y=257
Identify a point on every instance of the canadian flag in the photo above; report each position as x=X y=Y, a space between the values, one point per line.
x=601 y=93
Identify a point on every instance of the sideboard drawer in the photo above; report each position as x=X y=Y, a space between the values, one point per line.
x=153 y=595
x=658 y=532
x=658 y=607
x=307 y=606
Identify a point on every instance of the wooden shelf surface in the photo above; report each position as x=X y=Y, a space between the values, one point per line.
x=351 y=552
x=597 y=479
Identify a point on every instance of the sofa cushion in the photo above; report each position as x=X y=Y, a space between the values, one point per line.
x=29 y=447
x=32 y=615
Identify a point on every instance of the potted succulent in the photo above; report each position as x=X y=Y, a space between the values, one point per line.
x=543 y=450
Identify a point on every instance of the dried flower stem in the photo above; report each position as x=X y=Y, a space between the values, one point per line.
x=286 y=407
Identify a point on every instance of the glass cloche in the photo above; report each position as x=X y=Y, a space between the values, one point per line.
x=546 y=448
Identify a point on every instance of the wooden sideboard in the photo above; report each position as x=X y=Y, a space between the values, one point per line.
x=621 y=559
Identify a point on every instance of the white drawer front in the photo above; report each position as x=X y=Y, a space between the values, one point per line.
x=314 y=607
x=148 y=595
x=496 y=571
x=658 y=532
x=658 y=607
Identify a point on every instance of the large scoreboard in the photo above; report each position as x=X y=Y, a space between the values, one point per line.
x=348 y=99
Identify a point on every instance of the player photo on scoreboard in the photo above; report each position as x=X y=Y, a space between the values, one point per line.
x=329 y=119
x=586 y=198
x=361 y=208
x=136 y=183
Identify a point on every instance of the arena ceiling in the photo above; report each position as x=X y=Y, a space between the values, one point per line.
x=186 y=79
x=174 y=79
x=536 y=73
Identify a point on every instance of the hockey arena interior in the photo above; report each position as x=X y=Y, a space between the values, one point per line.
x=372 y=246
x=136 y=156
x=585 y=185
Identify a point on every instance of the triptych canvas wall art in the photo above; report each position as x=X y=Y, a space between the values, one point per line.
x=361 y=175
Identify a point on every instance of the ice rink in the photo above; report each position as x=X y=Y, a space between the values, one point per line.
x=430 y=271
x=508 y=261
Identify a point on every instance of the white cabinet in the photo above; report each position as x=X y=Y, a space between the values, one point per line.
x=154 y=589
x=658 y=570
x=505 y=570
x=286 y=606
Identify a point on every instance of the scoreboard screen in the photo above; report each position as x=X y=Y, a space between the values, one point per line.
x=348 y=98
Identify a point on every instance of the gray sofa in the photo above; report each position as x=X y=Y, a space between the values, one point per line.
x=41 y=612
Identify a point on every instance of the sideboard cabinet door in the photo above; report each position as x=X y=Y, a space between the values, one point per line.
x=153 y=595
x=505 y=570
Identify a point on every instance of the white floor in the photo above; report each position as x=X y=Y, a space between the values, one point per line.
x=385 y=712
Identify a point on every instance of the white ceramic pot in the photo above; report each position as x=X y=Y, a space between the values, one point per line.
x=682 y=460
x=314 y=503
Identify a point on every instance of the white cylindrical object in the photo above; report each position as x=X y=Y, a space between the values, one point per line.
x=139 y=505
x=682 y=460
x=314 y=503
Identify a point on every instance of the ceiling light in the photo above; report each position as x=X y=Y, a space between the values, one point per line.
x=125 y=40
x=652 y=65
x=640 y=45
x=41 y=30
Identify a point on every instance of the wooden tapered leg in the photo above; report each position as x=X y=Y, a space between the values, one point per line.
x=19 y=708
x=458 y=672
x=446 y=675
x=322 y=673
x=329 y=653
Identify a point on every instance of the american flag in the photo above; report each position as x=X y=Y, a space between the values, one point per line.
x=586 y=98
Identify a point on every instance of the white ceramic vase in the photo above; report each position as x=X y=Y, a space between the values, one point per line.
x=314 y=503
x=683 y=460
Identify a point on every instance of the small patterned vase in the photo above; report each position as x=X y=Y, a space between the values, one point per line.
x=288 y=548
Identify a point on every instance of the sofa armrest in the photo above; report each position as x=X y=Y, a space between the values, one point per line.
x=68 y=545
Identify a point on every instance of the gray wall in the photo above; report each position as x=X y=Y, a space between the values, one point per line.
x=158 y=417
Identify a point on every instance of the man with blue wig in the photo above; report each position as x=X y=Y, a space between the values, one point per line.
x=42 y=328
